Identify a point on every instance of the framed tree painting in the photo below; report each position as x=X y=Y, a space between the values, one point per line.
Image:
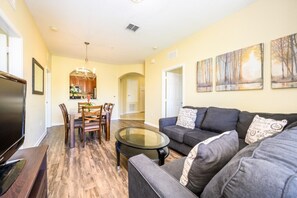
x=240 y=70
x=37 y=78
x=284 y=62
x=204 y=75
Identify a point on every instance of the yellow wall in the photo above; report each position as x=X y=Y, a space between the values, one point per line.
x=107 y=84
x=33 y=46
x=260 y=22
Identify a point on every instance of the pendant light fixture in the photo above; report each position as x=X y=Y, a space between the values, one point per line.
x=84 y=71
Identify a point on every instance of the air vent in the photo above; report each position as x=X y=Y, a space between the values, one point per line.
x=172 y=54
x=132 y=27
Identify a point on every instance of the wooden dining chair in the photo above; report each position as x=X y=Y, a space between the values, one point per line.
x=77 y=123
x=91 y=121
x=80 y=105
x=107 y=107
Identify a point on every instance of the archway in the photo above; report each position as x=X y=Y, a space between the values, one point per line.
x=131 y=96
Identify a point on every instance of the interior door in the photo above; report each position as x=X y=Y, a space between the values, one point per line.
x=48 y=113
x=173 y=97
x=132 y=95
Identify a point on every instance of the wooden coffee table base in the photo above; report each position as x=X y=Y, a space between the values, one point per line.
x=155 y=154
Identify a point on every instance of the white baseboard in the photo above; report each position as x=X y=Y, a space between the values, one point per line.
x=153 y=125
x=57 y=124
x=131 y=112
x=40 y=139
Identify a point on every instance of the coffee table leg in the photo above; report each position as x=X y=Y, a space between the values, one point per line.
x=117 y=147
x=162 y=154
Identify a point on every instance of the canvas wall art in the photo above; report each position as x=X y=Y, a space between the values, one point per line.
x=204 y=75
x=284 y=62
x=240 y=70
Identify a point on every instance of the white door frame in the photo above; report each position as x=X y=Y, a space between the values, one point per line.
x=182 y=66
x=48 y=101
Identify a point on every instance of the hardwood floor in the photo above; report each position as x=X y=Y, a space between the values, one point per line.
x=132 y=116
x=90 y=171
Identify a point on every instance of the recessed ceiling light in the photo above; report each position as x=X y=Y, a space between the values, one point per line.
x=155 y=47
x=136 y=1
x=53 y=28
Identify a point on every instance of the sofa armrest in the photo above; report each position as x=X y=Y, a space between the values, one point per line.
x=147 y=179
x=163 y=122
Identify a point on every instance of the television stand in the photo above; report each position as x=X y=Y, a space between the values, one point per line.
x=9 y=173
x=32 y=180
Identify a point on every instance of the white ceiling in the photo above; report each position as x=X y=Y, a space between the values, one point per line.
x=103 y=23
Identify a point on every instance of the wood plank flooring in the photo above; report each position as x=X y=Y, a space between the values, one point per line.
x=89 y=171
x=132 y=116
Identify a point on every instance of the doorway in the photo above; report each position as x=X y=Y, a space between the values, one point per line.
x=172 y=91
x=132 y=94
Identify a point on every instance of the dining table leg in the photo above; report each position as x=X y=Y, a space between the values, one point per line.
x=72 y=132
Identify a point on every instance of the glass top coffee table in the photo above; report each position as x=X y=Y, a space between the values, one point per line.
x=134 y=140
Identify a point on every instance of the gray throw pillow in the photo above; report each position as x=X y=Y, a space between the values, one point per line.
x=207 y=158
x=263 y=169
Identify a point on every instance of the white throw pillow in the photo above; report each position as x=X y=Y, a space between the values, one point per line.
x=263 y=127
x=186 y=118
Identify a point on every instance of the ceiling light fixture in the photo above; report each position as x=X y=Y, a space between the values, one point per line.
x=53 y=28
x=136 y=1
x=84 y=71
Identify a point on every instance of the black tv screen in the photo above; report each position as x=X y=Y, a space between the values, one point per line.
x=12 y=114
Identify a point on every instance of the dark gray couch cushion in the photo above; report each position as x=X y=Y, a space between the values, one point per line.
x=220 y=119
x=179 y=147
x=242 y=143
x=263 y=169
x=200 y=114
x=246 y=118
x=175 y=168
x=176 y=132
x=164 y=122
x=207 y=158
x=194 y=137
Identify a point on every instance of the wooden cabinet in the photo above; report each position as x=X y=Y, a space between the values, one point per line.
x=86 y=85
x=90 y=85
x=32 y=181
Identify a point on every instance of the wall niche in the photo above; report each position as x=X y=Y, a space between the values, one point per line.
x=82 y=82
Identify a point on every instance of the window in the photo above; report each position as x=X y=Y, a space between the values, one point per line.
x=11 y=48
x=3 y=51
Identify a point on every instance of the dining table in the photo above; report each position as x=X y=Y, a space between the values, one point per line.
x=75 y=115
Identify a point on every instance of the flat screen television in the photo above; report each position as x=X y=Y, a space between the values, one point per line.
x=12 y=125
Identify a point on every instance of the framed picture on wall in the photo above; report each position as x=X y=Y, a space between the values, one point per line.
x=204 y=75
x=284 y=62
x=37 y=78
x=241 y=69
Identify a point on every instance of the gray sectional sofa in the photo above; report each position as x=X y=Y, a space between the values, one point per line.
x=212 y=121
x=263 y=169
x=267 y=168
